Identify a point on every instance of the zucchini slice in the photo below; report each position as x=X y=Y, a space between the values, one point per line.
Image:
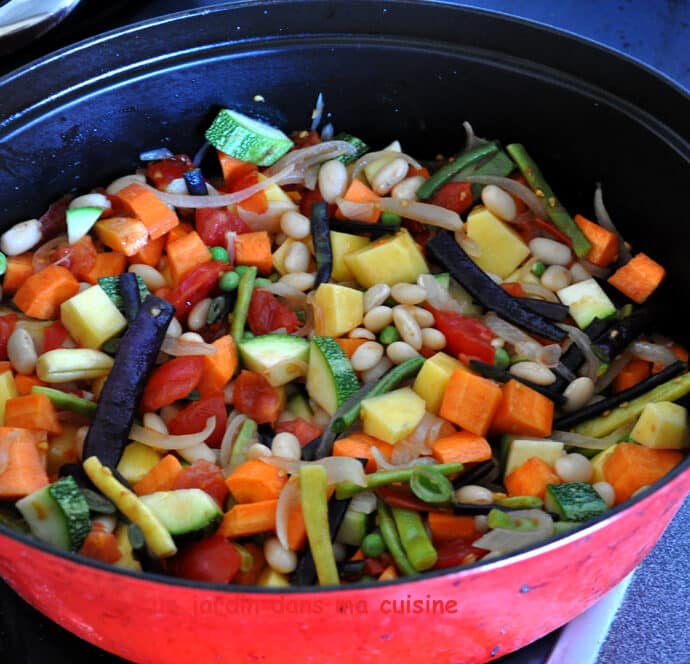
x=330 y=378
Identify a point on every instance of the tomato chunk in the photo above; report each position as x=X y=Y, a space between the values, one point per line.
x=7 y=323
x=163 y=172
x=465 y=335
x=254 y=396
x=54 y=336
x=266 y=314
x=192 y=418
x=206 y=476
x=457 y=552
x=101 y=545
x=172 y=381
x=197 y=285
x=303 y=430
x=213 y=559
x=213 y=223
x=456 y=196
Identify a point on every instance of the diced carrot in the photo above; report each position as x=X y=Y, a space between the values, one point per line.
x=358 y=445
x=32 y=411
x=255 y=480
x=41 y=295
x=448 y=527
x=349 y=346
x=25 y=383
x=254 y=249
x=250 y=577
x=5 y=365
x=161 y=477
x=604 y=242
x=245 y=519
x=358 y=555
x=531 y=478
x=182 y=229
x=514 y=288
x=19 y=269
x=358 y=192
x=220 y=367
x=523 y=411
x=149 y=209
x=101 y=545
x=470 y=401
x=631 y=466
x=632 y=373
x=679 y=351
x=638 y=278
x=106 y=264
x=296 y=529
x=461 y=447
x=258 y=202
x=185 y=254
x=24 y=468
x=388 y=574
x=423 y=171
x=150 y=253
x=124 y=234
x=233 y=168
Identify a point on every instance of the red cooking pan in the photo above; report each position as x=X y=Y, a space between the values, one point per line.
x=414 y=70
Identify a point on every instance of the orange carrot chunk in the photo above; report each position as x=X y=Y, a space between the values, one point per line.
x=358 y=445
x=631 y=466
x=32 y=411
x=254 y=249
x=247 y=519
x=19 y=269
x=531 y=478
x=150 y=253
x=149 y=209
x=123 y=234
x=638 y=278
x=470 y=401
x=106 y=264
x=448 y=527
x=349 y=346
x=461 y=447
x=161 y=477
x=523 y=412
x=41 y=295
x=255 y=480
x=251 y=576
x=25 y=383
x=23 y=470
x=358 y=192
x=604 y=242
x=633 y=372
x=679 y=351
x=185 y=254
x=220 y=367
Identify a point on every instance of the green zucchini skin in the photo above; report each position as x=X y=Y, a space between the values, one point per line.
x=122 y=391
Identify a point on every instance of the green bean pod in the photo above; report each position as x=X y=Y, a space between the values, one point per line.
x=244 y=297
x=389 y=532
x=414 y=538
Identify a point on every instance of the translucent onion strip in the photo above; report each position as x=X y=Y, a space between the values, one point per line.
x=304 y=158
x=180 y=348
x=582 y=341
x=524 y=193
x=165 y=441
x=549 y=355
x=437 y=296
x=371 y=157
x=604 y=219
x=266 y=221
x=338 y=469
x=288 y=500
x=589 y=443
x=651 y=352
x=426 y=213
x=233 y=425
x=504 y=540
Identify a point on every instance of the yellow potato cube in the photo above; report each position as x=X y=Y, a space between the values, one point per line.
x=501 y=248
x=390 y=260
x=598 y=462
x=337 y=310
x=433 y=377
x=393 y=416
x=662 y=425
x=341 y=245
x=8 y=390
x=92 y=318
x=136 y=461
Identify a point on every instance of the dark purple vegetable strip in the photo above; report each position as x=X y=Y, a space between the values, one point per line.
x=321 y=237
x=121 y=393
x=484 y=290
x=196 y=184
x=474 y=474
x=572 y=419
x=129 y=291
x=551 y=310
x=623 y=332
x=363 y=228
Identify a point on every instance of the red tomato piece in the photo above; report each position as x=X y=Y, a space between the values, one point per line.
x=308 y=199
x=456 y=196
x=305 y=431
x=54 y=336
x=163 y=172
x=101 y=545
x=254 y=396
x=421 y=233
x=465 y=335
x=7 y=323
x=213 y=223
x=304 y=139
x=402 y=497
x=53 y=221
x=172 y=381
x=78 y=258
x=257 y=203
x=539 y=228
x=213 y=559
x=206 y=476
x=192 y=418
x=267 y=313
x=197 y=285
x=457 y=552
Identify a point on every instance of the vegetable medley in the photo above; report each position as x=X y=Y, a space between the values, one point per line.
x=295 y=360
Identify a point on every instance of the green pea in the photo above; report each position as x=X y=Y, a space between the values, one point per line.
x=501 y=358
x=219 y=254
x=262 y=282
x=3 y=263
x=241 y=269
x=229 y=281
x=538 y=269
x=388 y=335
x=373 y=545
x=390 y=219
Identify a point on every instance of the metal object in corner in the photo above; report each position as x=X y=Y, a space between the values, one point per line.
x=21 y=21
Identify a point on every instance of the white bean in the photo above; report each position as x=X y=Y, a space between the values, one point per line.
x=579 y=272
x=332 y=180
x=297 y=257
x=606 y=491
x=474 y=495
x=389 y=175
x=197 y=316
x=155 y=421
x=549 y=251
x=21 y=351
x=367 y=356
x=377 y=318
x=408 y=293
x=192 y=337
x=279 y=558
x=556 y=277
x=295 y=225
x=534 y=372
x=361 y=333
x=578 y=393
x=433 y=339
x=407 y=188
x=399 y=351
x=286 y=444
x=94 y=199
x=573 y=468
x=257 y=450
x=423 y=317
x=149 y=275
x=499 y=202
x=376 y=372
x=174 y=328
x=376 y=296
x=407 y=326
x=21 y=237
x=302 y=281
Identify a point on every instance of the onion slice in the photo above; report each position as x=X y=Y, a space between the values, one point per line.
x=604 y=219
x=371 y=157
x=338 y=469
x=437 y=296
x=524 y=193
x=538 y=291
x=266 y=221
x=426 y=213
x=198 y=452
x=304 y=158
x=288 y=499
x=549 y=355
x=582 y=341
x=166 y=441
x=233 y=425
x=364 y=501
x=503 y=540
x=589 y=443
x=652 y=352
x=180 y=348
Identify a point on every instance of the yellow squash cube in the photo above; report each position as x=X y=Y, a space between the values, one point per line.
x=433 y=377
x=662 y=425
x=393 y=416
x=391 y=260
x=598 y=462
x=92 y=318
x=8 y=390
x=136 y=461
x=341 y=245
x=501 y=248
x=337 y=310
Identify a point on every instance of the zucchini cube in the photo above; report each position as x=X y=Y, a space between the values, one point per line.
x=574 y=501
x=91 y=318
